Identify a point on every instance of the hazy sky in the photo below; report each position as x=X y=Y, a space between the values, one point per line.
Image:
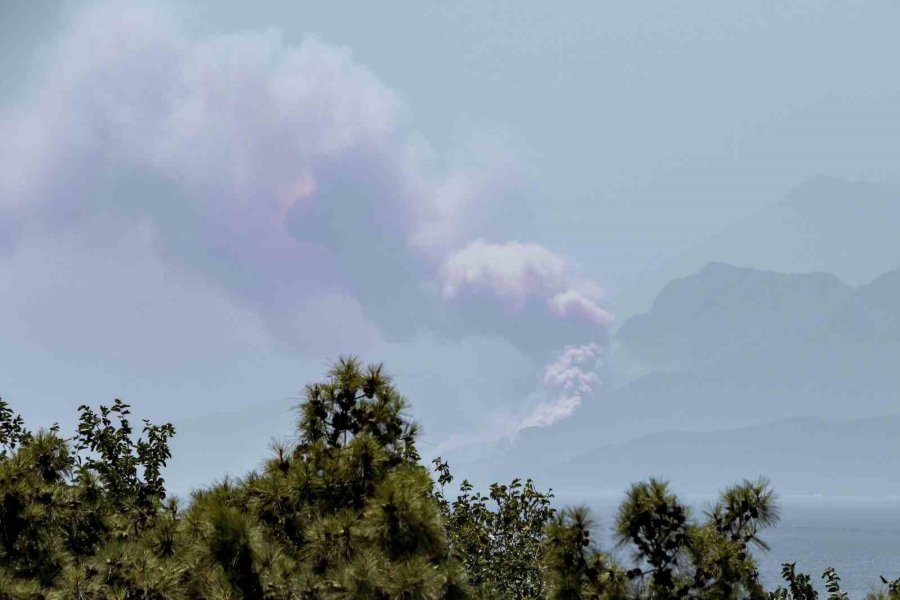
x=202 y=205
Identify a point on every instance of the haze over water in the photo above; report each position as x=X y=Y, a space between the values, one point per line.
x=857 y=536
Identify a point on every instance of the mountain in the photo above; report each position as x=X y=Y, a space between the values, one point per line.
x=724 y=348
x=824 y=224
x=802 y=456
x=719 y=350
x=731 y=345
x=759 y=330
x=725 y=311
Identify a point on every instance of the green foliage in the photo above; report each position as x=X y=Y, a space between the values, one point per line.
x=679 y=557
x=574 y=567
x=891 y=590
x=347 y=511
x=800 y=586
x=833 y=585
x=654 y=521
x=12 y=430
x=497 y=537
x=117 y=460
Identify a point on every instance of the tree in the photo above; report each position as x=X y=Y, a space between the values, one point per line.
x=347 y=511
x=497 y=537
x=678 y=557
x=12 y=430
x=64 y=506
x=656 y=523
x=129 y=470
x=574 y=567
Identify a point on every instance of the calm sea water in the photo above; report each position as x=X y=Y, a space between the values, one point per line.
x=859 y=537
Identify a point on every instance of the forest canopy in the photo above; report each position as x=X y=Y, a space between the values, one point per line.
x=348 y=510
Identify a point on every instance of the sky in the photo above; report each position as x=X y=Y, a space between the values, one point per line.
x=204 y=203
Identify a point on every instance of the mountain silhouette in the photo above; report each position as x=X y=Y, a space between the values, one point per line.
x=805 y=456
x=725 y=348
x=824 y=224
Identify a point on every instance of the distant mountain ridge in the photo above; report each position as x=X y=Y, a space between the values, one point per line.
x=800 y=456
x=725 y=310
x=723 y=357
x=825 y=224
x=731 y=347
x=798 y=317
x=740 y=324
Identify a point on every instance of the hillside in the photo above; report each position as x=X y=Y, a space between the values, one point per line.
x=724 y=348
x=730 y=347
x=824 y=224
x=800 y=456
x=809 y=336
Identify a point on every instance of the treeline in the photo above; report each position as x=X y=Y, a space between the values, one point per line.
x=347 y=512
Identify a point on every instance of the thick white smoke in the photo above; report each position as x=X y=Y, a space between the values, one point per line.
x=570 y=378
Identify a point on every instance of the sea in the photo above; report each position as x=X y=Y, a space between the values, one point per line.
x=859 y=537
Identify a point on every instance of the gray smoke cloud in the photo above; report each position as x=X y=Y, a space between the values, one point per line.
x=287 y=178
